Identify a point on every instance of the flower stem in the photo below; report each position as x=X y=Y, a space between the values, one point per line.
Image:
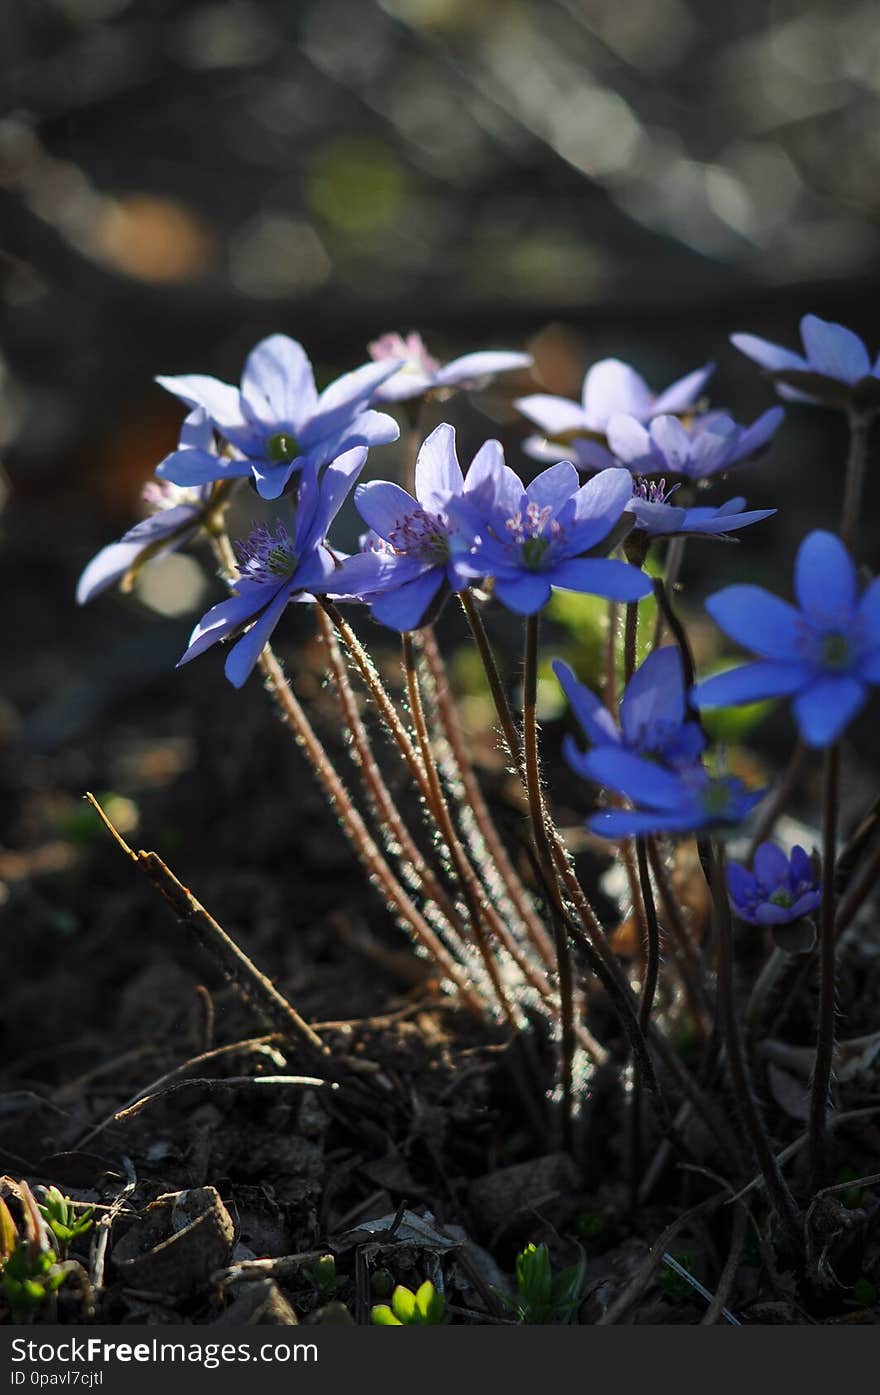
x=493 y=677
x=532 y=771
x=652 y=958
x=860 y=423
x=825 y=1025
x=777 y=1187
x=478 y=910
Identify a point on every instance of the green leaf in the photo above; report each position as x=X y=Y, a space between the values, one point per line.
x=403 y=1304
x=382 y=1316
x=8 y=1233
x=430 y=1304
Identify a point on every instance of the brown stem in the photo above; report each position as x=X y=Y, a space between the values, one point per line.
x=825 y=1023
x=497 y=853
x=777 y=1187
x=496 y=686
x=351 y=822
x=477 y=909
x=542 y=844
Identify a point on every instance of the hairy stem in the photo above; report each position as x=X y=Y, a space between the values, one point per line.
x=545 y=856
x=777 y=1187
x=478 y=911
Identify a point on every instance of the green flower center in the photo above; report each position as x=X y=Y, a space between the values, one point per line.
x=783 y=898
x=282 y=447
x=533 y=552
x=836 y=650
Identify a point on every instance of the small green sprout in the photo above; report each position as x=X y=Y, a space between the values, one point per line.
x=545 y=1298
x=28 y=1273
x=324 y=1276
x=424 y=1308
x=62 y=1218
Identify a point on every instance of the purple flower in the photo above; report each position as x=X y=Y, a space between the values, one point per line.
x=277 y=424
x=530 y=539
x=778 y=891
x=835 y=367
x=653 y=714
x=178 y=515
x=656 y=517
x=665 y=801
x=824 y=653
x=710 y=444
x=421 y=373
x=275 y=568
x=611 y=387
x=415 y=547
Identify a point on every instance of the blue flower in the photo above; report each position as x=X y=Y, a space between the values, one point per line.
x=415 y=545
x=177 y=517
x=275 y=568
x=653 y=714
x=421 y=373
x=824 y=653
x=530 y=539
x=778 y=891
x=688 y=800
x=835 y=367
x=277 y=424
x=710 y=444
x=577 y=429
x=656 y=517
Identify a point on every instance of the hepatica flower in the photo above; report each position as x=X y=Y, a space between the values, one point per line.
x=415 y=547
x=835 y=368
x=177 y=516
x=276 y=568
x=610 y=388
x=824 y=653
x=529 y=539
x=653 y=714
x=687 y=800
x=708 y=445
x=658 y=518
x=276 y=423
x=421 y=373
x=779 y=892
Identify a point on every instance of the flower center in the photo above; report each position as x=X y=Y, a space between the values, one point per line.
x=282 y=447
x=534 y=530
x=421 y=534
x=783 y=898
x=836 y=650
x=266 y=557
x=652 y=491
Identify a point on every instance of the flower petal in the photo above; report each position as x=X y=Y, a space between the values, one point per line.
x=629 y=823
x=243 y=655
x=771 y=866
x=758 y=620
x=834 y=350
x=642 y=781
x=631 y=444
x=655 y=693
x=525 y=594
x=680 y=396
x=556 y=416
x=590 y=713
x=825 y=578
x=345 y=398
x=769 y=356
x=438 y=473
x=483 y=364
x=553 y=487
x=404 y=609
x=598 y=505
x=751 y=683
x=383 y=505
x=277 y=385
x=612 y=386
x=222 y=619
x=825 y=710
x=601 y=576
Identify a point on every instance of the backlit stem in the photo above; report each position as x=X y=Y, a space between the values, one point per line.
x=860 y=423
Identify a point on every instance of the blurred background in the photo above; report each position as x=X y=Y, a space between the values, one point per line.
x=180 y=177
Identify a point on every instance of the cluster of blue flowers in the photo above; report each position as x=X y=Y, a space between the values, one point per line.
x=648 y=457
